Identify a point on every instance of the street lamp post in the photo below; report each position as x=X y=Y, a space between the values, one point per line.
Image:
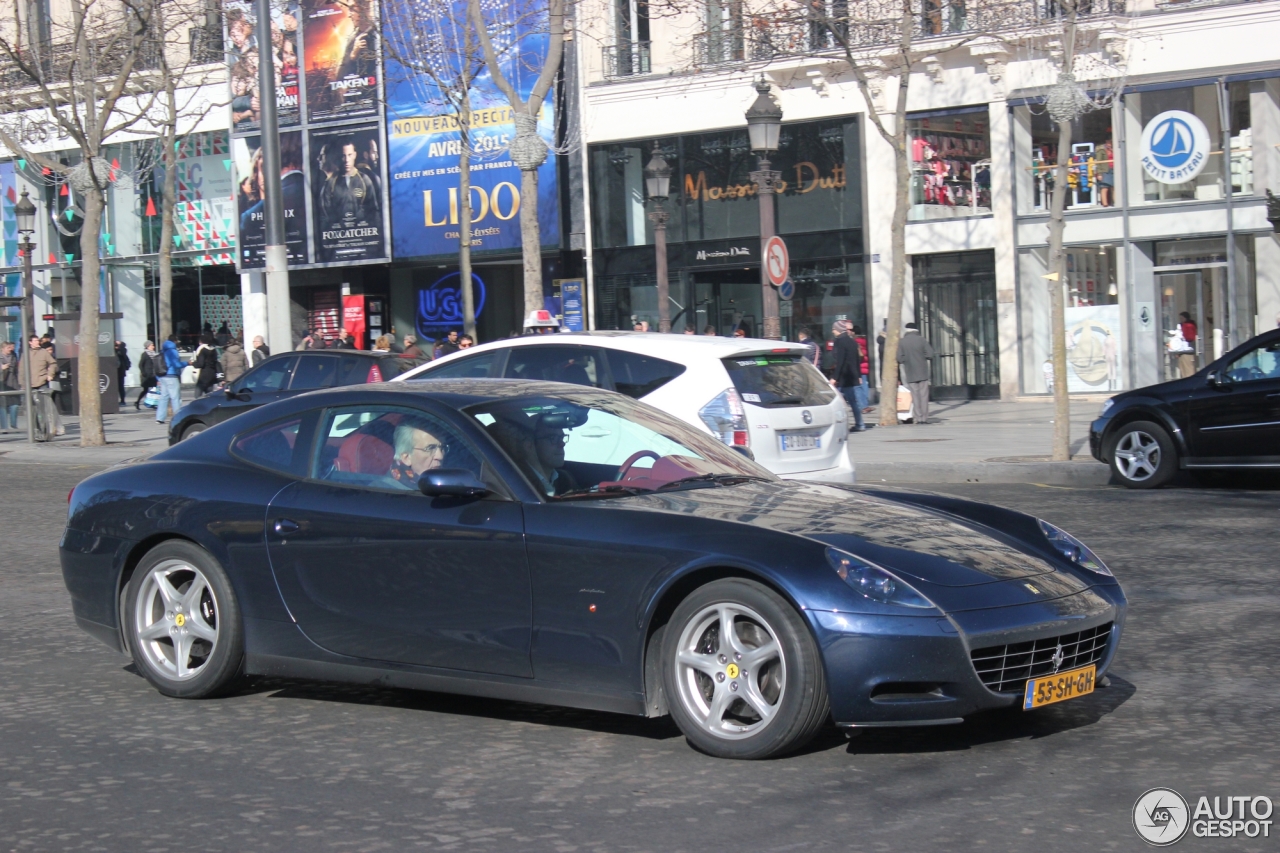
x=764 y=126
x=657 y=182
x=25 y=213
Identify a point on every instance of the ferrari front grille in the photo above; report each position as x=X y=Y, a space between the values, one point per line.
x=1005 y=669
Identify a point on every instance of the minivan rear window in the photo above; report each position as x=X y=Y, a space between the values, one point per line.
x=778 y=380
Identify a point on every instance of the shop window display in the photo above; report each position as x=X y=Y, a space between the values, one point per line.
x=1091 y=163
x=950 y=166
x=1202 y=102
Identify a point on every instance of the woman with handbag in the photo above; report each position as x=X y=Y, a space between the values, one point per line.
x=205 y=361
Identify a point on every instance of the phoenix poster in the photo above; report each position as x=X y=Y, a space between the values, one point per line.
x=423 y=138
x=341 y=67
x=347 y=193
x=244 y=55
x=247 y=153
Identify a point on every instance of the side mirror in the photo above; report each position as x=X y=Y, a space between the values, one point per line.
x=243 y=396
x=451 y=482
x=745 y=451
x=1217 y=380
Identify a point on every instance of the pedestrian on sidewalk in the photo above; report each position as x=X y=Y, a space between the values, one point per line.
x=810 y=345
x=234 y=362
x=44 y=371
x=260 y=350
x=123 y=363
x=1187 y=356
x=410 y=347
x=170 y=380
x=864 y=387
x=148 y=365
x=9 y=364
x=205 y=361
x=915 y=355
x=847 y=372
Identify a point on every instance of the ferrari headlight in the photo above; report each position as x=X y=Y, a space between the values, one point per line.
x=874 y=583
x=1073 y=549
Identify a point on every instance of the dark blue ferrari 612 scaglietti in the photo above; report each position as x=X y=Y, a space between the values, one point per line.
x=571 y=546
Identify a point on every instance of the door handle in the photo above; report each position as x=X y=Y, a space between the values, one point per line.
x=284 y=526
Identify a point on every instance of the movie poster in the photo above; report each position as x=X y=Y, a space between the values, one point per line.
x=244 y=55
x=347 y=195
x=247 y=153
x=424 y=142
x=341 y=67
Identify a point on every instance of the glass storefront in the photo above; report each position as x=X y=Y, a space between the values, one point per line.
x=956 y=309
x=950 y=164
x=1091 y=173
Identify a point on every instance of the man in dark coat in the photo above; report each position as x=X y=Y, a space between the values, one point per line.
x=847 y=373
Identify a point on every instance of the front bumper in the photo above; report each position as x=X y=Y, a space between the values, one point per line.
x=916 y=670
x=1096 y=430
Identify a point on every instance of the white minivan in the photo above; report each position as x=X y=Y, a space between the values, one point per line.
x=754 y=394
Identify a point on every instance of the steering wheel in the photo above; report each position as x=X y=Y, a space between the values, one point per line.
x=632 y=460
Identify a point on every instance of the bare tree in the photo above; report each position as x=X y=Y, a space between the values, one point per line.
x=528 y=149
x=78 y=70
x=436 y=40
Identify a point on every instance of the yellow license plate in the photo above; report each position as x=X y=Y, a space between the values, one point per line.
x=1048 y=689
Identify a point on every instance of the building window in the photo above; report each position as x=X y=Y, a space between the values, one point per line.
x=1202 y=102
x=629 y=54
x=1091 y=173
x=950 y=165
x=723 y=39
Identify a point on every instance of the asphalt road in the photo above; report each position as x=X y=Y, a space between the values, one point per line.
x=91 y=758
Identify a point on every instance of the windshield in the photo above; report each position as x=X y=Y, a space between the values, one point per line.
x=597 y=445
x=778 y=379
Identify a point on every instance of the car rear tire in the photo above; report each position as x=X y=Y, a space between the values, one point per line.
x=1143 y=455
x=742 y=674
x=183 y=625
x=193 y=429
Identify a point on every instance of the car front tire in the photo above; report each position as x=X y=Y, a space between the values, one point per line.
x=193 y=429
x=742 y=674
x=1143 y=455
x=182 y=622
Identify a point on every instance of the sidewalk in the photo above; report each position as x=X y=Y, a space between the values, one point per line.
x=130 y=435
x=984 y=441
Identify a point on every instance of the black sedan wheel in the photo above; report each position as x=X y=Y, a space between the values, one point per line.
x=182 y=623
x=742 y=674
x=1143 y=456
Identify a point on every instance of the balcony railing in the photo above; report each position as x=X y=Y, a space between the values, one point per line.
x=626 y=59
x=56 y=63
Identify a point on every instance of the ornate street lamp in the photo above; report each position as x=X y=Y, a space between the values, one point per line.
x=764 y=127
x=25 y=214
x=657 y=184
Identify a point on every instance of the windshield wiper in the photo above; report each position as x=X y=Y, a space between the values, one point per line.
x=711 y=479
x=606 y=492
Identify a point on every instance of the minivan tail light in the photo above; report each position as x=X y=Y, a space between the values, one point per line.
x=725 y=416
x=375 y=374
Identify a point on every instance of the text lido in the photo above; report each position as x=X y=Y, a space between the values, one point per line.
x=503 y=201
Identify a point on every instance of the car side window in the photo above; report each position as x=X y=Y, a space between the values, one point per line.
x=576 y=365
x=637 y=375
x=268 y=377
x=277 y=446
x=314 y=371
x=382 y=447
x=479 y=366
x=1258 y=364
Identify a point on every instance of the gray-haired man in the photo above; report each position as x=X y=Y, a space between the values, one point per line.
x=915 y=355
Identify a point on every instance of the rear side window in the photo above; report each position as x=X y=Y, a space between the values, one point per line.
x=482 y=365
x=573 y=364
x=314 y=371
x=637 y=375
x=275 y=446
x=392 y=366
x=778 y=380
x=268 y=377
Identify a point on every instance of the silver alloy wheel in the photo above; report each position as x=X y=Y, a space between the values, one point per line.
x=1137 y=455
x=176 y=620
x=730 y=671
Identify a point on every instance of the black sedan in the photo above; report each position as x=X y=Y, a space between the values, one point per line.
x=1226 y=416
x=558 y=544
x=282 y=376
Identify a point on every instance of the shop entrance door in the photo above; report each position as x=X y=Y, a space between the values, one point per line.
x=1193 y=292
x=957 y=314
x=728 y=300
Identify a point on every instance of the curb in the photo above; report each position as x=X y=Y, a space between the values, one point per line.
x=1046 y=473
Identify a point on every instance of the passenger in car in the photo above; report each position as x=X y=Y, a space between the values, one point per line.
x=538 y=449
x=417 y=451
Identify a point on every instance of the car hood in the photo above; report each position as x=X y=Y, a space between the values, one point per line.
x=918 y=543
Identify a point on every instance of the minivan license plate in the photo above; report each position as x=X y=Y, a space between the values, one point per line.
x=801 y=441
